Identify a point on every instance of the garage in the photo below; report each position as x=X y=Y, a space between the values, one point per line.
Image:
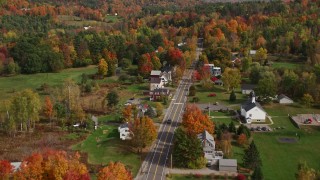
x=229 y=165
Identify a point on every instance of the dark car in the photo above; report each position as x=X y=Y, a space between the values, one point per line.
x=264 y=129
x=169 y=121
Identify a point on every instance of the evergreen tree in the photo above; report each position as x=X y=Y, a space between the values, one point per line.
x=232 y=127
x=257 y=174
x=251 y=157
x=245 y=130
x=233 y=96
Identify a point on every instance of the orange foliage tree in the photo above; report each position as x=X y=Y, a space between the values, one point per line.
x=127 y=112
x=114 y=170
x=48 y=107
x=195 y=121
x=5 y=169
x=242 y=139
x=52 y=165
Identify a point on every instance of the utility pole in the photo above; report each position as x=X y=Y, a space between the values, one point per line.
x=171 y=160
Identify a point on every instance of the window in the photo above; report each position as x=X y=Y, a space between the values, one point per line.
x=250 y=115
x=123 y=135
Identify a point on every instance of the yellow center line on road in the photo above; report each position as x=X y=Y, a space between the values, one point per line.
x=154 y=176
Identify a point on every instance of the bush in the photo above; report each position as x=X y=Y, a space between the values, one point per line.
x=233 y=96
x=195 y=99
x=88 y=88
x=241 y=177
x=123 y=77
x=192 y=91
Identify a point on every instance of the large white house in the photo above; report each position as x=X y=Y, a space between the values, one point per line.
x=252 y=111
x=208 y=145
x=125 y=133
x=158 y=79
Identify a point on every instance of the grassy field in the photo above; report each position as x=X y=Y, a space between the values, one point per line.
x=104 y=145
x=286 y=65
x=222 y=96
x=279 y=159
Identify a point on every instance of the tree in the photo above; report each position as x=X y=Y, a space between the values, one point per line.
x=192 y=90
x=145 y=65
x=150 y=112
x=5 y=169
x=304 y=172
x=232 y=96
x=159 y=109
x=127 y=113
x=242 y=139
x=113 y=98
x=25 y=107
x=102 y=67
x=144 y=133
x=266 y=89
x=226 y=139
x=52 y=164
x=246 y=63
x=261 y=54
x=232 y=128
x=289 y=81
x=242 y=129
x=307 y=100
x=195 y=122
x=251 y=157
x=257 y=174
x=187 y=149
x=231 y=78
x=48 y=108
x=114 y=170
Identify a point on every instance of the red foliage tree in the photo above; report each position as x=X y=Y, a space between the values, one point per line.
x=114 y=171
x=145 y=65
x=5 y=169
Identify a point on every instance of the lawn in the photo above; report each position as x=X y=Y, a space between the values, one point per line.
x=196 y=176
x=222 y=96
x=280 y=160
x=104 y=145
x=284 y=110
x=286 y=65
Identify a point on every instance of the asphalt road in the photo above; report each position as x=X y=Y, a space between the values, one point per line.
x=154 y=165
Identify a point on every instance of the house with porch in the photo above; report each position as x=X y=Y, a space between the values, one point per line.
x=207 y=141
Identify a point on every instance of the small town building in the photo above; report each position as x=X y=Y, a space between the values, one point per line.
x=208 y=145
x=283 y=99
x=156 y=94
x=247 y=88
x=158 y=79
x=125 y=133
x=252 y=111
x=214 y=71
x=229 y=165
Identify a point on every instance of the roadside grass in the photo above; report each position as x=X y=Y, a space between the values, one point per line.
x=198 y=176
x=104 y=145
x=222 y=96
x=280 y=160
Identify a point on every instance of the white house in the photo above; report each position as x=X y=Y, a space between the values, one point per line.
x=214 y=71
x=158 y=79
x=208 y=145
x=125 y=133
x=283 y=99
x=252 y=111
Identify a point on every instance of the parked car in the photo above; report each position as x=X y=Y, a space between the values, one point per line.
x=169 y=121
x=252 y=129
x=308 y=121
x=258 y=128
x=264 y=129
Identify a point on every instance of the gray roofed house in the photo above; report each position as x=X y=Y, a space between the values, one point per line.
x=283 y=99
x=247 y=88
x=208 y=147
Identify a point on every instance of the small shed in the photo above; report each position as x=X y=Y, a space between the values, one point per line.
x=229 y=165
x=283 y=99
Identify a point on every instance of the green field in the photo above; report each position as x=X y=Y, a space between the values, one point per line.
x=222 y=96
x=9 y=85
x=280 y=160
x=286 y=65
x=104 y=145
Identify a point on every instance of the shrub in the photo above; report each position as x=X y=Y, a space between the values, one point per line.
x=233 y=96
x=212 y=95
x=241 y=177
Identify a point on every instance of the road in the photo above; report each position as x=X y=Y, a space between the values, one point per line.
x=154 y=165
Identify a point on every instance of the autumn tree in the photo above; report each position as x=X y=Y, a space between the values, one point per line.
x=195 y=122
x=305 y=172
x=102 y=67
x=226 y=139
x=5 y=169
x=114 y=170
x=159 y=109
x=187 y=150
x=145 y=65
x=251 y=157
x=267 y=88
x=231 y=78
x=48 y=108
x=144 y=133
x=127 y=113
x=52 y=164
x=112 y=98
x=242 y=139
x=261 y=54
